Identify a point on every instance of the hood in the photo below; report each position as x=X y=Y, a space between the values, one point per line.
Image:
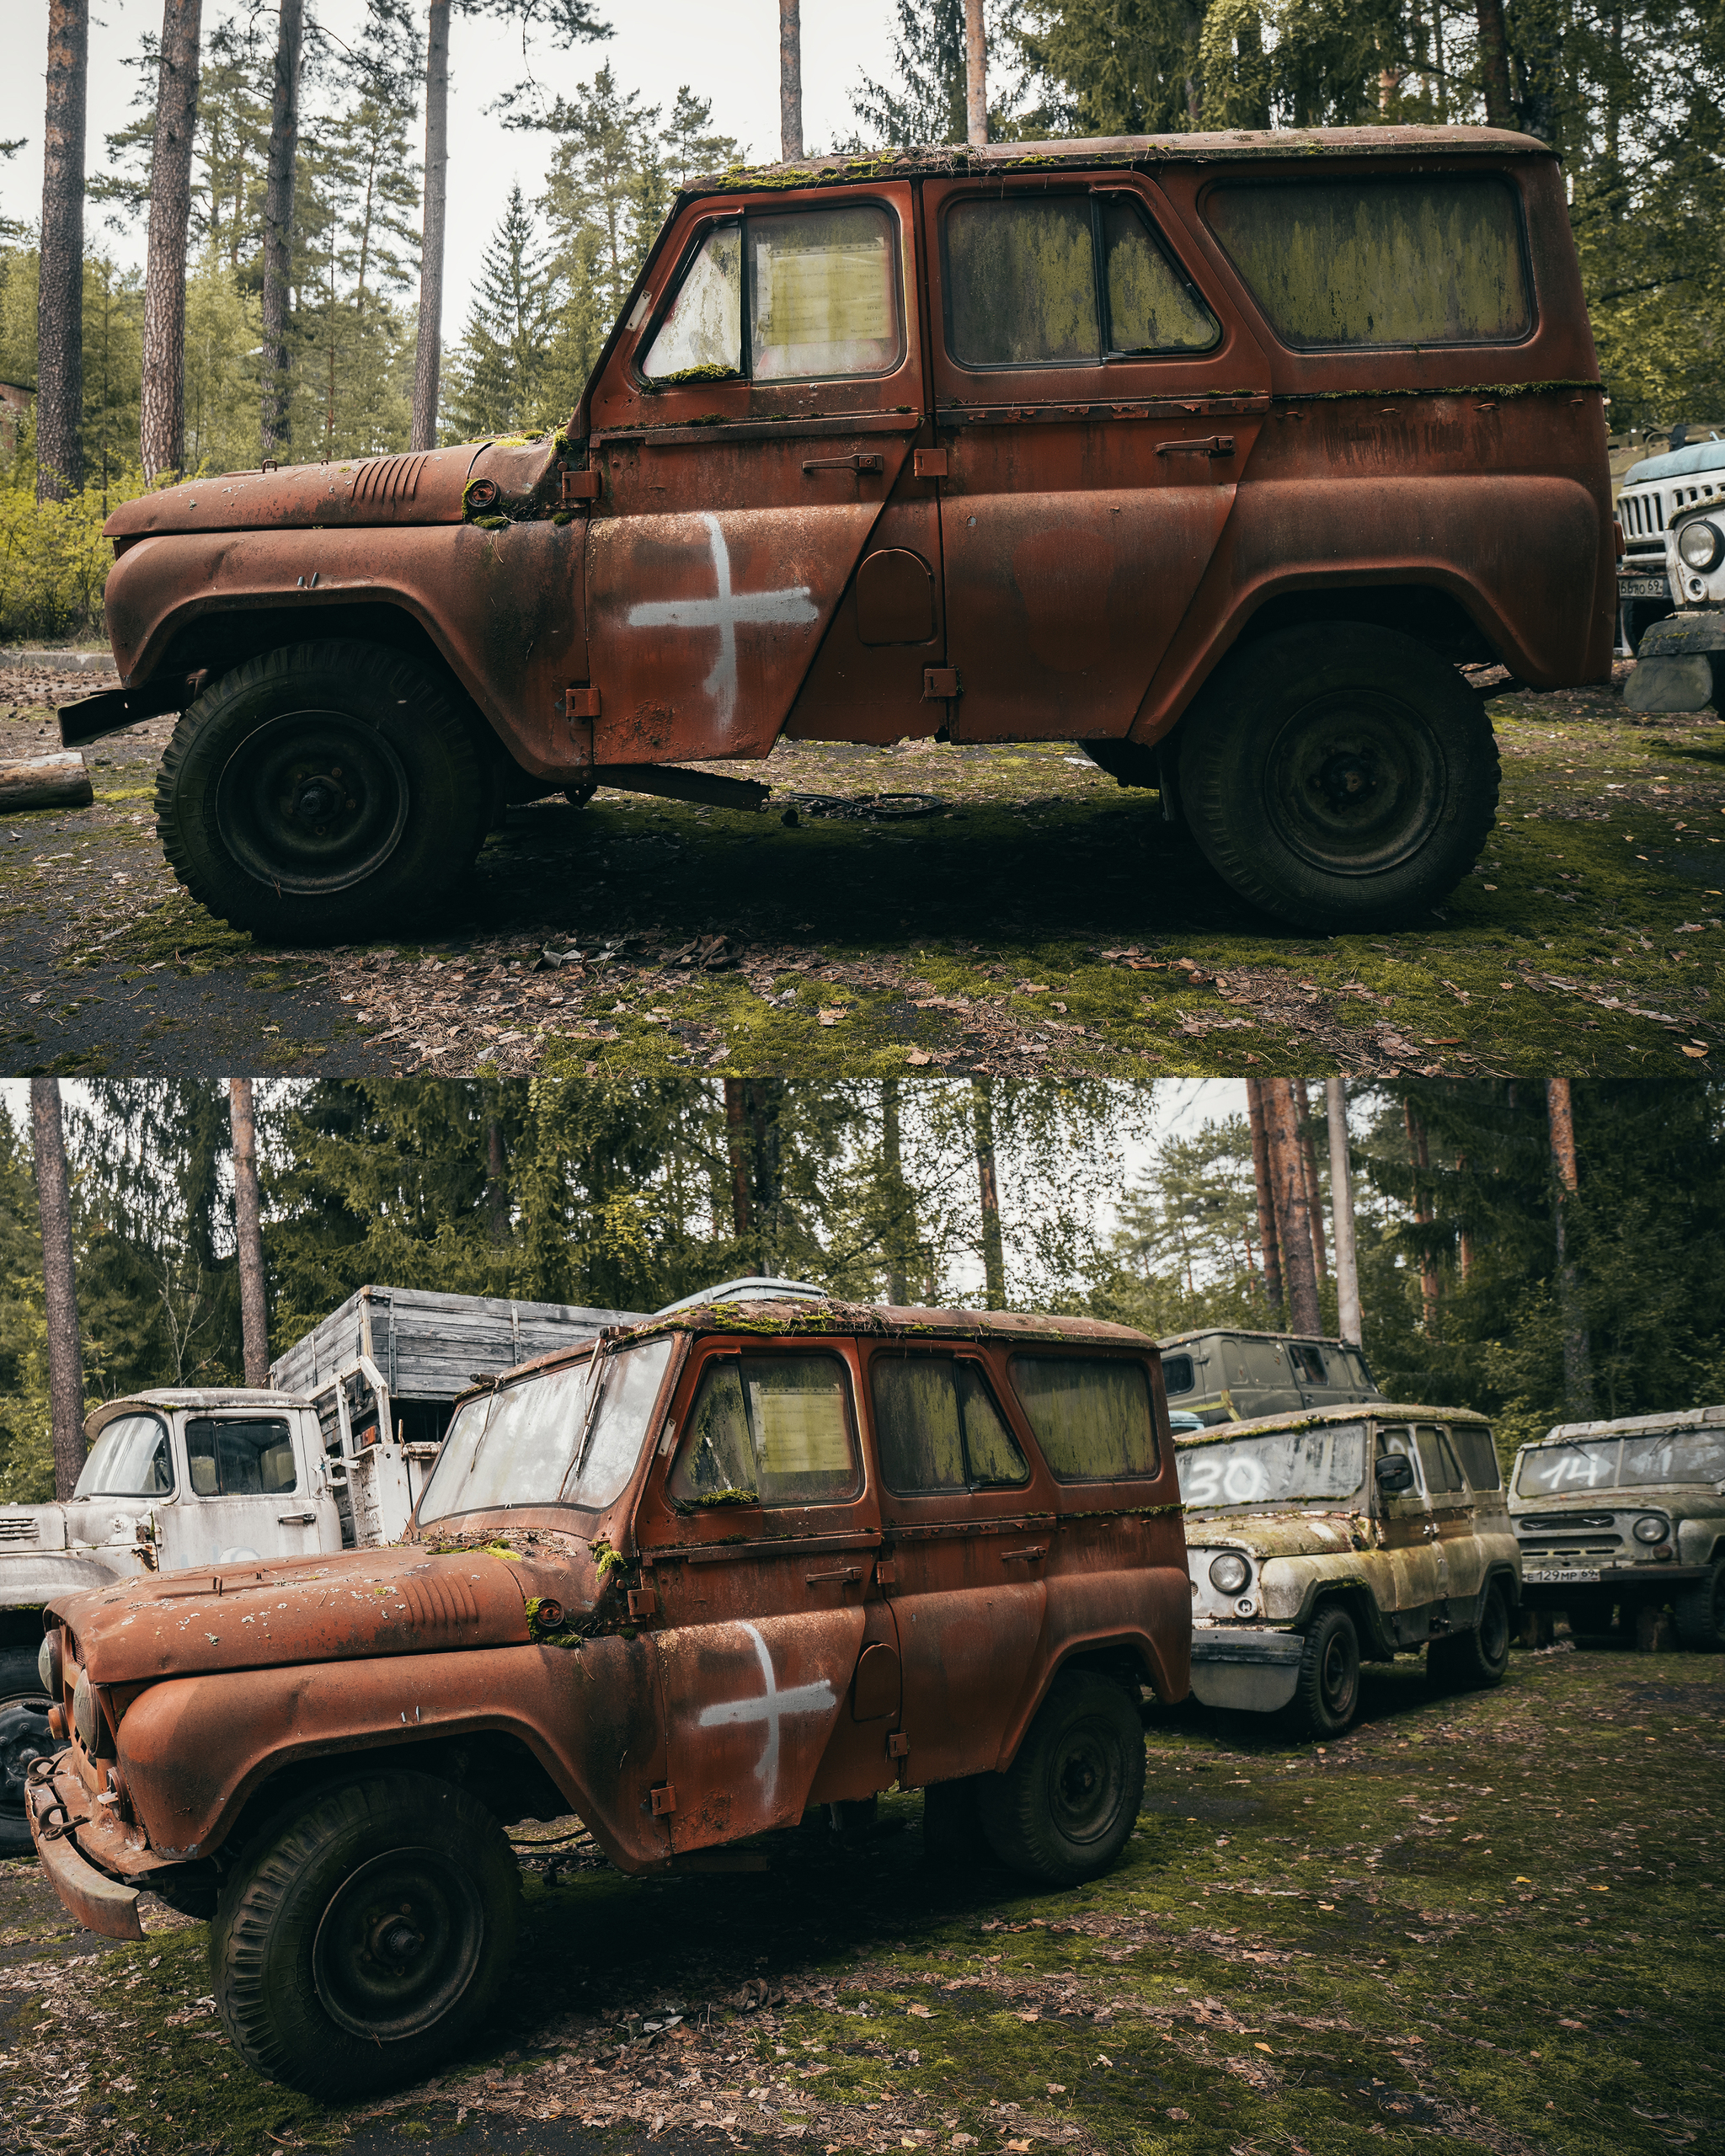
x=1265 y=1535
x=428 y=486
x=1676 y=463
x=405 y=1601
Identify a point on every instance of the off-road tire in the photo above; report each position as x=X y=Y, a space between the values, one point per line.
x=1340 y=776
x=1701 y=1611
x=952 y=1824
x=1473 y=1660
x=1061 y=1813
x=1326 y=1691
x=296 y=1941
x=369 y=738
x=24 y=1736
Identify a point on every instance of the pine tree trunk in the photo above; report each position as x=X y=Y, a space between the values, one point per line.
x=1308 y=1170
x=1293 y=1215
x=1577 y=1359
x=897 y=1196
x=765 y=1098
x=976 y=73
x=1539 y=52
x=276 y=431
x=60 y=300
x=66 y=1379
x=1342 y=1214
x=496 y=1183
x=737 y=1147
x=790 y=80
x=429 y=359
x=1267 y=1237
x=162 y=404
x=994 y=1258
x=1494 y=63
x=248 y=1234
x=1419 y=1154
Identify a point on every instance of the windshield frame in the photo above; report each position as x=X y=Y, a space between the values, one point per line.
x=146 y=1414
x=1355 y=1500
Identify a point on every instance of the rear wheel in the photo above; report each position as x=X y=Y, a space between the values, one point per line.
x=1062 y=1811
x=1701 y=1611
x=23 y=1737
x=322 y=787
x=366 y=1935
x=1327 y=1693
x=1472 y=1660
x=1341 y=776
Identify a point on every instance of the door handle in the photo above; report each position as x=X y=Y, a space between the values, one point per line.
x=849 y=1573
x=864 y=460
x=296 y=1519
x=1024 y=1557
x=1206 y=446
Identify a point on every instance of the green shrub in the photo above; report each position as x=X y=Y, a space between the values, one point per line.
x=53 y=558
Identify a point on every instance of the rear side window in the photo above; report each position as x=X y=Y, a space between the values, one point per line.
x=1091 y=1415
x=938 y=1428
x=769 y=1430
x=1441 y=1473
x=1479 y=1455
x=1067 y=280
x=1308 y=1364
x=1363 y=262
x=1178 y=1374
x=251 y=1459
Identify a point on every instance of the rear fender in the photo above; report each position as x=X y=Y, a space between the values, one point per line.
x=505 y=610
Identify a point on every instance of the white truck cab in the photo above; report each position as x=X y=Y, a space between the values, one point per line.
x=1671 y=585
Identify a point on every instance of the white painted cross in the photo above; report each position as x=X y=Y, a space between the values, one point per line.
x=818 y=1698
x=723 y=612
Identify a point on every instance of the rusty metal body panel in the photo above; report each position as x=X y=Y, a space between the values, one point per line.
x=684 y=1674
x=704 y=561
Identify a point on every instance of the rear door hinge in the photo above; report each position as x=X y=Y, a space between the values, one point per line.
x=940 y=682
x=580 y=699
x=664 y=1799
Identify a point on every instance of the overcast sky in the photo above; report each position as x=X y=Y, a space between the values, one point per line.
x=728 y=54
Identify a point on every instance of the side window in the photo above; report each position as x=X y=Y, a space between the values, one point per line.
x=1091 y=1415
x=1064 y=281
x=235 y=1459
x=1308 y=1364
x=938 y=1428
x=1479 y=1455
x=1436 y=1461
x=818 y=290
x=1178 y=1374
x=768 y=1430
x=1398 y=1441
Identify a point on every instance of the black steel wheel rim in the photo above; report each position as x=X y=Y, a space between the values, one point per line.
x=312 y=801
x=397 y=1946
x=1083 y=1788
x=1354 y=783
x=1494 y=1630
x=24 y=1738
x=1337 y=1673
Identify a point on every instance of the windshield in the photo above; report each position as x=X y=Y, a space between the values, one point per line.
x=130 y=1459
x=1650 y=1457
x=549 y=1440
x=1288 y=1467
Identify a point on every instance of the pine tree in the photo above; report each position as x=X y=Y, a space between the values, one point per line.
x=497 y=375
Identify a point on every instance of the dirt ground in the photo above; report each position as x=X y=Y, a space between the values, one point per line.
x=1486 y=1922
x=999 y=909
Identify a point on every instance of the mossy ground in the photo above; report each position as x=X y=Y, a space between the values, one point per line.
x=978 y=936
x=1488 y=1921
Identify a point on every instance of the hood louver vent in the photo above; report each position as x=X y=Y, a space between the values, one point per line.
x=388 y=482
x=18 y=1527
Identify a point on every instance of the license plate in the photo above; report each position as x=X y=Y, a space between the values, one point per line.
x=1577 y=1578
x=1642 y=587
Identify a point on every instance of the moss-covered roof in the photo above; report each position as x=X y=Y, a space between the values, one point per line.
x=1309 y=1418
x=946 y=159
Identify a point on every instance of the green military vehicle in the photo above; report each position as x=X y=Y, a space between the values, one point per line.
x=1236 y=1377
x=1621 y=1517
x=1338 y=1535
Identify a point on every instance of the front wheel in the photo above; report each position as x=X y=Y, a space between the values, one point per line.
x=1326 y=1692
x=321 y=789
x=1062 y=1811
x=24 y=1738
x=1341 y=777
x=366 y=1935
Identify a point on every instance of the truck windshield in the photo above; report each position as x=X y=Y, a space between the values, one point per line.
x=1648 y=1457
x=129 y=1458
x=1288 y=1467
x=571 y=1436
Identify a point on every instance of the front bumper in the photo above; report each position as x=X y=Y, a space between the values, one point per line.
x=99 y=1904
x=1241 y=1667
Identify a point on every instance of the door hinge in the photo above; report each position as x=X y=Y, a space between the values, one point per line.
x=898 y=1745
x=581 y=486
x=939 y=682
x=664 y=1799
x=886 y=1573
x=580 y=699
x=644 y=1601
x=929 y=463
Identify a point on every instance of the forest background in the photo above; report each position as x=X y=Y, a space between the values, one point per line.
x=1631 y=93
x=606 y=1195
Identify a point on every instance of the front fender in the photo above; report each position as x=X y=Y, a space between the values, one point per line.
x=192 y=1749
x=505 y=608
x=31 y=1582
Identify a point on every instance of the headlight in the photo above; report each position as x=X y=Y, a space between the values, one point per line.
x=48 y=1665
x=1701 y=545
x=1229 y=1573
x=1650 y=1527
x=86 y=1718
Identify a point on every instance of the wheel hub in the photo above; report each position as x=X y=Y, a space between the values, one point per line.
x=1343 y=780
x=1083 y=1797
x=1354 y=783
x=398 y=1944
x=24 y=1738
x=312 y=801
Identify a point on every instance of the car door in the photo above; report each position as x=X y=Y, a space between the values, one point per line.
x=1418 y=1573
x=247 y=1494
x=760 y=1542
x=1457 y=1541
x=754 y=420
x=969 y=1527
x=1100 y=403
